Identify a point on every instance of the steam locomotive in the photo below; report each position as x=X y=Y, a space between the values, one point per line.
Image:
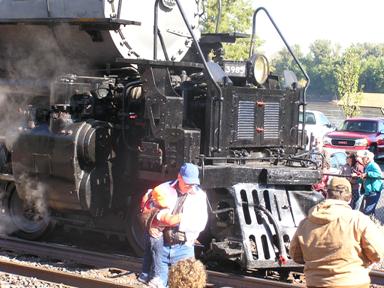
x=101 y=101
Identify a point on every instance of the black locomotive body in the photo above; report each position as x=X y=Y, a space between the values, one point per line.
x=89 y=146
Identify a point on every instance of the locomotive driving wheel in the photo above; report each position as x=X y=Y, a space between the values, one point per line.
x=29 y=219
x=135 y=232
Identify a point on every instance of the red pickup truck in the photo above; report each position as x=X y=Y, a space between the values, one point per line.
x=357 y=134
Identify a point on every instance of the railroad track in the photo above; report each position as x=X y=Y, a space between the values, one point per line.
x=53 y=276
x=125 y=263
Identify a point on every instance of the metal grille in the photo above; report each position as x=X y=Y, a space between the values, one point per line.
x=246 y=120
x=271 y=120
x=342 y=142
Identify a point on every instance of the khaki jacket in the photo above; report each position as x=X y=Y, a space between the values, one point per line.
x=336 y=244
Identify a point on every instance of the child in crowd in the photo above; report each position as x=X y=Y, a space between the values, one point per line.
x=353 y=167
x=158 y=203
x=321 y=186
x=317 y=151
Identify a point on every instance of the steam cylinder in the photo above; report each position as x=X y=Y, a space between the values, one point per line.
x=93 y=32
x=72 y=170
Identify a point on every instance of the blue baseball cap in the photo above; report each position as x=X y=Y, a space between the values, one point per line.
x=190 y=174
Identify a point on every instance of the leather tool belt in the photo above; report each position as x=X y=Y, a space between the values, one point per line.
x=172 y=237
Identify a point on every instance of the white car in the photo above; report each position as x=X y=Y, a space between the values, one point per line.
x=316 y=126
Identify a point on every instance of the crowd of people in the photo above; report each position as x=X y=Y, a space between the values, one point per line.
x=365 y=177
x=336 y=242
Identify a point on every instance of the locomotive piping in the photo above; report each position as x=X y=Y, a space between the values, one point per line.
x=157 y=33
x=219 y=99
x=282 y=253
x=220 y=96
x=7 y=177
x=163 y=45
x=48 y=9
x=128 y=86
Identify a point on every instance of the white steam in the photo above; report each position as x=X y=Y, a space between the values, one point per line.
x=28 y=212
x=33 y=193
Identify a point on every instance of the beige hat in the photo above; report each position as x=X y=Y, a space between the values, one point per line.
x=340 y=184
x=365 y=154
x=361 y=153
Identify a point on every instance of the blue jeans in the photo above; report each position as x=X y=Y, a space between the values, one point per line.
x=358 y=203
x=171 y=255
x=371 y=202
x=152 y=257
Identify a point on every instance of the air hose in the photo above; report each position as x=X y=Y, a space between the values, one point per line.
x=282 y=253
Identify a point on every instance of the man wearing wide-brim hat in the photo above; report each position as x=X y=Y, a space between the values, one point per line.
x=335 y=243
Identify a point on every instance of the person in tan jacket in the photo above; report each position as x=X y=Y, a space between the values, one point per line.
x=336 y=244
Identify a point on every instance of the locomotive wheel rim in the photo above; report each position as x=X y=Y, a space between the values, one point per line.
x=137 y=233
x=24 y=218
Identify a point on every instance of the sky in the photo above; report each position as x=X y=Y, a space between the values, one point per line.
x=304 y=21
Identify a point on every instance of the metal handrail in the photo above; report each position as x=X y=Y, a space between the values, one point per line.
x=119 y=9
x=219 y=98
x=218 y=20
x=155 y=29
x=290 y=51
x=281 y=36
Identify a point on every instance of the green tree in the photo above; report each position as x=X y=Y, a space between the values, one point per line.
x=370 y=50
x=372 y=74
x=283 y=60
x=347 y=74
x=320 y=63
x=236 y=16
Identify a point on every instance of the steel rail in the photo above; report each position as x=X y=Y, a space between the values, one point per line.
x=233 y=280
x=377 y=277
x=133 y=264
x=128 y=263
x=60 y=277
x=76 y=255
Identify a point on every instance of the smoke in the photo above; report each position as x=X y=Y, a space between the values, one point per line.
x=33 y=193
x=27 y=212
x=6 y=225
x=27 y=71
x=12 y=115
x=32 y=52
x=31 y=58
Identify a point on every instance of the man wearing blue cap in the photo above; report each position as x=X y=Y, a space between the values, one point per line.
x=192 y=205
